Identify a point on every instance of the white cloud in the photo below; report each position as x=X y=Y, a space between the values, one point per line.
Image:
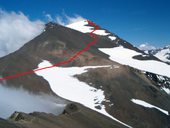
x=146 y=47
x=60 y=21
x=49 y=17
x=15 y=30
x=12 y=100
x=65 y=19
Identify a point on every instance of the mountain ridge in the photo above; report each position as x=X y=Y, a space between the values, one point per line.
x=118 y=83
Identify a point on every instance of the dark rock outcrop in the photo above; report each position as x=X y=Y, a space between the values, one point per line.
x=74 y=116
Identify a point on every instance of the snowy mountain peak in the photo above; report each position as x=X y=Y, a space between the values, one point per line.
x=146 y=47
x=81 y=26
x=84 y=27
x=95 y=78
x=161 y=53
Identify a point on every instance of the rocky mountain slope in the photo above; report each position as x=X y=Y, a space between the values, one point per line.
x=113 y=84
x=74 y=115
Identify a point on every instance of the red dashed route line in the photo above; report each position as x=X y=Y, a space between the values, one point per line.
x=60 y=63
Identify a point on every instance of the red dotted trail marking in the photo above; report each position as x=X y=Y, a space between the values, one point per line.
x=63 y=62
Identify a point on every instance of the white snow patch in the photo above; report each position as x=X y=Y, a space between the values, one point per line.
x=166 y=90
x=107 y=101
x=145 y=55
x=114 y=66
x=64 y=84
x=101 y=32
x=145 y=104
x=110 y=105
x=124 y=56
x=161 y=78
x=82 y=27
x=112 y=37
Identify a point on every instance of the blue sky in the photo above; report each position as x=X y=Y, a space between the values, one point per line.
x=137 y=21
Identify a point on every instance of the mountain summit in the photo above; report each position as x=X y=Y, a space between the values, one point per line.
x=110 y=84
x=161 y=53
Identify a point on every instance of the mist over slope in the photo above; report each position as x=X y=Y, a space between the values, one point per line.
x=12 y=99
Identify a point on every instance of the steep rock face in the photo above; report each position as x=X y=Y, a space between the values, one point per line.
x=161 y=82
